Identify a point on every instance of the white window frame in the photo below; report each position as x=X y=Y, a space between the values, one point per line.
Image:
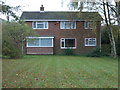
x=39 y=41
x=88 y=23
x=89 y=40
x=66 y=22
x=40 y=22
x=63 y=40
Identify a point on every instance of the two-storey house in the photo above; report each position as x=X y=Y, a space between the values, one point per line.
x=60 y=30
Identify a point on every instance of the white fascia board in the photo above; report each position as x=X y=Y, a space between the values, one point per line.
x=49 y=20
x=39 y=37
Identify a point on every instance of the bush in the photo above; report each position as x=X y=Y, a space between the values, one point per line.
x=10 y=50
x=13 y=35
x=106 y=49
x=68 y=52
x=95 y=53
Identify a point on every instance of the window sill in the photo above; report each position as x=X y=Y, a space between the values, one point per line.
x=68 y=48
x=90 y=45
x=67 y=29
x=39 y=46
x=40 y=28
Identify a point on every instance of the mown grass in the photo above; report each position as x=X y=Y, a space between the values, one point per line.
x=60 y=72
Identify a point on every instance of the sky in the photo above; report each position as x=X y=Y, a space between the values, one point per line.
x=34 y=5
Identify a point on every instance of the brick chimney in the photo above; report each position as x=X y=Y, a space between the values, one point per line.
x=42 y=8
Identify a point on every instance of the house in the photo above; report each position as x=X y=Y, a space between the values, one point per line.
x=61 y=30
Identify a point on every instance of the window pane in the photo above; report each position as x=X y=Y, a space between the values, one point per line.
x=45 y=25
x=40 y=26
x=34 y=24
x=86 y=42
x=46 y=42
x=69 y=42
x=33 y=42
x=92 y=41
x=63 y=25
x=63 y=44
x=68 y=25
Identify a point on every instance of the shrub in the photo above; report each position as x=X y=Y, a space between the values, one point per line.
x=14 y=34
x=106 y=49
x=68 y=52
x=95 y=53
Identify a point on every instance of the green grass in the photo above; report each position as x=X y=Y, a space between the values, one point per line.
x=60 y=72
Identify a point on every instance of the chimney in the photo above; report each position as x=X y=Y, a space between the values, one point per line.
x=42 y=8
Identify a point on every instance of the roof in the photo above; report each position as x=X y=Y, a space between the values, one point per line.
x=60 y=15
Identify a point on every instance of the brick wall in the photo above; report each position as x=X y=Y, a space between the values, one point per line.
x=79 y=33
x=39 y=50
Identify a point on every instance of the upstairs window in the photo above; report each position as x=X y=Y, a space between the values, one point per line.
x=67 y=25
x=89 y=25
x=40 y=25
x=90 y=41
x=68 y=43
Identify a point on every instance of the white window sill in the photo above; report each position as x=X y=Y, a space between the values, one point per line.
x=39 y=46
x=40 y=28
x=68 y=48
x=67 y=28
x=90 y=45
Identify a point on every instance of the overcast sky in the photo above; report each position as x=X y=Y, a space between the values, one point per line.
x=34 y=5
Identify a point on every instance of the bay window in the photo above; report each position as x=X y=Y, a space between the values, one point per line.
x=40 y=42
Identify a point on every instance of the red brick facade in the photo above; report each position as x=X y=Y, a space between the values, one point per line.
x=39 y=50
x=79 y=33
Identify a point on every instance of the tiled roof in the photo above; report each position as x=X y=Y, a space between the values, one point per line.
x=60 y=15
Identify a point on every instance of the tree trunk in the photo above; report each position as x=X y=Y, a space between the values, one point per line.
x=118 y=19
x=111 y=36
x=113 y=44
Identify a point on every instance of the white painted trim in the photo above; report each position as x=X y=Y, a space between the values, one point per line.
x=90 y=45
x=88 y=27
x=67 y=28
x=37 y=23
x=39 y=37
x=41 y=46
x=55 y=20
x=68 y=47
x=50 y=20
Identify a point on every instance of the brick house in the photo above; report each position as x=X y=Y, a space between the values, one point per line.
x=61 y=30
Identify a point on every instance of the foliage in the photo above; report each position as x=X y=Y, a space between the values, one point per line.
x=14 y=34
x=104 y=35
x=106 y=49
x=110 y=13
x=68 y=52
x=41 y=71
x=95 y=53
x=8 y=10
x=118 y=46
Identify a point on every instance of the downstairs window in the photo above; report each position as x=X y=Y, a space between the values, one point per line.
x=68 y=43
x=40 y=42
x=90 y=41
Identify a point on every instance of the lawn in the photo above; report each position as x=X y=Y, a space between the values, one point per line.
x=60 y=72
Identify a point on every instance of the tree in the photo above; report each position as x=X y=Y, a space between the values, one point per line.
x=9 y=11
x=111 y=14
x=14 y=35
